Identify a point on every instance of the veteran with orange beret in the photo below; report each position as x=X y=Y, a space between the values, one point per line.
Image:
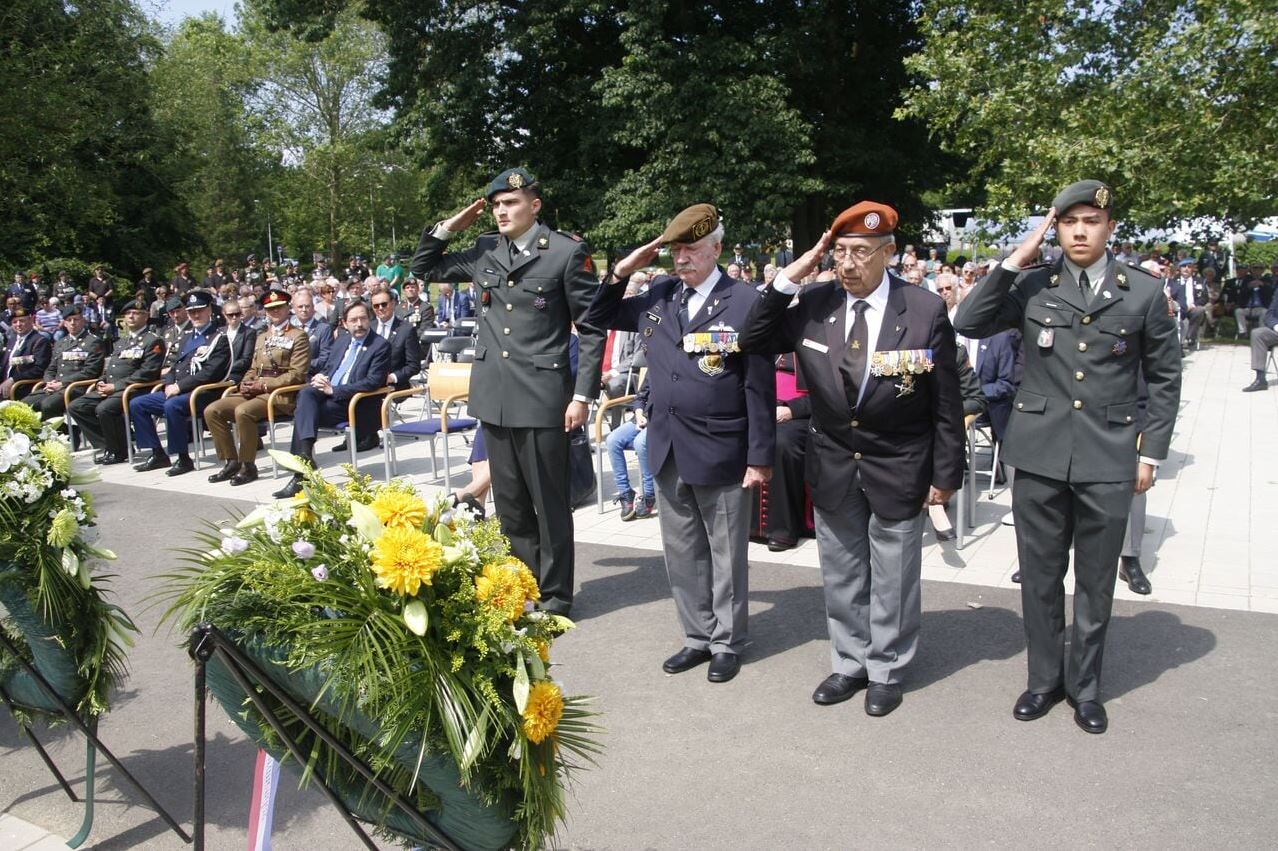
x=886 y=440
x=711 y=428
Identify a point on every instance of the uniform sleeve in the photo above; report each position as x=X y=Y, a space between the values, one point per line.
x=771 y=328
x=947 y=406
x=992 y=306
x=432 y=263
x=761 y=411
x=1160 y=363
x=580 y=286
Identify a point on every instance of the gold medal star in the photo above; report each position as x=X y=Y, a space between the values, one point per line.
x=856 y=344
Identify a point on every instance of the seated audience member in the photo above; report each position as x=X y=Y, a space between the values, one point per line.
x=49 y=317
x=622 y=359
x=415 y=310
x=78 y=356
x=475 y=493
x=453 y=304
x=27 y=354
x=787 y=503
x=633 y=434
x=319 y=333
x=137 y=359
x=358 y=363
x=1251 y=301
x=242 y=338
x=973 y=404
x=1264 y=337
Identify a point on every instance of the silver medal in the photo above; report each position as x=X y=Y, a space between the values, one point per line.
x=1045 y=338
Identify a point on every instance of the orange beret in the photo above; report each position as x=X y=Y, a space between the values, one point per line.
x=865 y=218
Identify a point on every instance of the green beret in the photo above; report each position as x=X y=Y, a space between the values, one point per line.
x=173 y=304
x=135 y=304
x=72 y=310
x=692 y=224
x=510 y=180
x=1093 y=193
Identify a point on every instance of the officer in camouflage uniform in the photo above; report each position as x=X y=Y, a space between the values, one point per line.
x=281 y=357
x=137 y=359
x=76 y=357
x=533 y=283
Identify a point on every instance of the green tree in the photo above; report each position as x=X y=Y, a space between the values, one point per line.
x=1173 y=102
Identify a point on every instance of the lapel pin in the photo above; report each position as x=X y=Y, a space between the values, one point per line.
x=1107 y=294
x=898 y=328
x=833 y=319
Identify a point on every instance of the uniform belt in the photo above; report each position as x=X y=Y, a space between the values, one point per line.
x=270 y=372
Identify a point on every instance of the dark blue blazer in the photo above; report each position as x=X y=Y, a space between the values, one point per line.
x=320 y=335
x=370 y=369
x=464 y=306
x=36 y=345
x=998 y=369
x=714 y=425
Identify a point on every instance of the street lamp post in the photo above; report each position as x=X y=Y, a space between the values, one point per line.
x=372 y=224
x=270 y=244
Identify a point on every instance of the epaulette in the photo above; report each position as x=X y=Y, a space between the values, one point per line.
x=1033 y=267
x=574 y=237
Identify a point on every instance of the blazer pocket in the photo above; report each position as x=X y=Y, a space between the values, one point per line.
x=1124 y=413
x=1119 y=326
x=1049 y=317
x=550 y=361
x=480 y=351
x=1030 y=403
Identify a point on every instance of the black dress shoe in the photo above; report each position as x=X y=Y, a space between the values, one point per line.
x=779 y=544
x=293 y=488
x=685 y=660
x=1258 y=384
x=1016 y=577
x=97 y=456
x=1090 y=715
x=837 y=688
x=1130 y=571
x=946 y=535
x=1030 y=706
x=247 y=473
x=882 y=698
x=340 y=447
x=181 y=466
x=229 y=469
x=723 y=667
x=109 y=458
x=368 y=443
x=157 y=461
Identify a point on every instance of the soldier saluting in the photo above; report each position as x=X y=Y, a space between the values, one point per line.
x=1091 y=326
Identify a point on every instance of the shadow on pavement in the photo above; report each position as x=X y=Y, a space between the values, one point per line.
x=1141 y=648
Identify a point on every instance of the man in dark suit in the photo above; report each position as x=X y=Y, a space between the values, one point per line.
x=1192 y=300
x=1264 y=337
x=318 y=334
x=534 y=283
x=204 y=357
x=358 y=363
x=453 y=305
x=711 y=433
x=887 y=440
x=998 y=369
x=1091 y=325
x=786 y=255
x=27 y=354
x=406 y=350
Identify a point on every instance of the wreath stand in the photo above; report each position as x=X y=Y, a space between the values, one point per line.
x=208 y=645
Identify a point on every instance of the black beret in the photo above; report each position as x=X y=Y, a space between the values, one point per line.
x=135 y=304
x=508 y=180
x=1093 y=193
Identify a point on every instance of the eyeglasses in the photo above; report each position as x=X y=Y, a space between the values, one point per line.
x=231 y=314
x=381 y=304
x=859 y=254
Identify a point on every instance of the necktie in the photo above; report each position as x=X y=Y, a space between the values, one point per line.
x=684 y=319
x=514 y=252
x=344 y=367
x=852 y=367
x=1084 y=286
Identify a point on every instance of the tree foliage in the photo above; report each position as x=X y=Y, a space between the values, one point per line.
x=1173 y=102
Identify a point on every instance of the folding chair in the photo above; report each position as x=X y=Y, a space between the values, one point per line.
x=447 y=385
x=604 y=407
x=197 y=413
x=449 y=348
x=66 y=406
x=129 y=392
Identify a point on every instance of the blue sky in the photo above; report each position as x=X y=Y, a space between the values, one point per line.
x=173 y=11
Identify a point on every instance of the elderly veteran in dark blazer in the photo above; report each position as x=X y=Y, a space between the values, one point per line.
x=1091 y=326
x=534 y=283
x=27 y=354
x=711 y=428
x=886 y=440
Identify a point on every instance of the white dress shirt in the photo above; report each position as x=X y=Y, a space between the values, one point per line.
x=698 y=295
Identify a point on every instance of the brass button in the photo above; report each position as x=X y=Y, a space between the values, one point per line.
x=1122 y=330
x=1087 y=320
x=1078 y=376
x=1082 y=347
x=1078 y=403
x=1129 y=419
x=510 y=283
x=505 y=330
x=856 y=423
x=856 y=455
x=1020 y=406
x=539 y=288
x=555 y=365
x=510 y=307
x=505 y=354
x=1047 y=320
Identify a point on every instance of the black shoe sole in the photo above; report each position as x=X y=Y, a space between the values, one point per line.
x=1052 y=701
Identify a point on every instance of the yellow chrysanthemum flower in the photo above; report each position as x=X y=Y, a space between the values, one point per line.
x=405 y=559
x=63 y=528
x=19 y=416
x=543 y=650
x=500 y=587
x=58 y=456
x=545 y=708
x=399 y=509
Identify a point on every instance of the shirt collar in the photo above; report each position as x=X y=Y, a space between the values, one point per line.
x=525 y=239
x=1095 y=272
x=877 y=299
x=708 y=284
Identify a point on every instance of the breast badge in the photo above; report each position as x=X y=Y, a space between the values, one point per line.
x=1046 y=337
x=710 y=364
x=539 y=303
x=1120 y=348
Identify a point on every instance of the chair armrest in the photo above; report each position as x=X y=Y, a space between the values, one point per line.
x=206 y=388
x=228 y=391
x=398 y=394
x=969 y=419
x=358 y=397
x=36 y=384
x=444 y=406
x=66 y=391
x=603 y=409
x=279 y=393
x=140 y=386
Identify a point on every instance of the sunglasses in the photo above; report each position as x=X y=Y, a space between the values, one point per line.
x=381 y=304
x=231 y=314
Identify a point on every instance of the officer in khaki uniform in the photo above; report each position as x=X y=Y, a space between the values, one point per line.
x=137 y=359
x=282 y=357
x=1091 y=326
x=76 y=357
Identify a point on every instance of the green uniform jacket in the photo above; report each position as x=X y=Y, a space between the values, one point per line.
x=525 y=307
x=1075 y=415
x=76 y=358
x=137 y=358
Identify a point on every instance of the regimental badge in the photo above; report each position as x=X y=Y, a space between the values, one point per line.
x=588 y=264
x=1102 y=198
x=1053 y=279
x=700 y=229
x=485 y=298
x=543 y=241
x=515 y=181
x=710 y=364
x=538 y=302
x=647 y=332
x=871 y=221
x=901 y=362
x=1046 y=337
x=906 y=387
x=1120 y=348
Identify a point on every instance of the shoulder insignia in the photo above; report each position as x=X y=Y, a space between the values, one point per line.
x=574 y=237
x=588 y=264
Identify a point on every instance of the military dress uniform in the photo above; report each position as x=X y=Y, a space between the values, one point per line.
x=100 y=416
x=74 y=359
x=282 y=357
x=530 y=293
x=1072 y=438
x=420 y=314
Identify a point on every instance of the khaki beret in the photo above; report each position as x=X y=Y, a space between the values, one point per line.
x=692 y=224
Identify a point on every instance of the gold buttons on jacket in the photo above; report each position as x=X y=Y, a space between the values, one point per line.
x=505 y=330
x=1078 y=376
x=1020 y=406
x=1087 y=320
x=510 y=307
x=1078 y=403
x=856 y=423
x=1128 y=418
x=1082 y=347
x=1047 y=320
x=856 y=455
x=505 y=354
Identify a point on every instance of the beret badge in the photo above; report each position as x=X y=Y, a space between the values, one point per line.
x=871 y=221
x=701 y=228
x=1102 y=198
x=515 y=180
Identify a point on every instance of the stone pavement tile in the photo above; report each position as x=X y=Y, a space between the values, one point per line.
x=1223 y=601
x=1264 y=604
x=19 y=835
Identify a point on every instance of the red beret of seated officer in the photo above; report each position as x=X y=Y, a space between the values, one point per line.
x=865 y=218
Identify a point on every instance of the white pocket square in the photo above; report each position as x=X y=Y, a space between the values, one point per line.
x=820 y=347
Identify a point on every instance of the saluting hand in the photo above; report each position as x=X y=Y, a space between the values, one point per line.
x=808 y=261
x=466 y=217
x=642 y=256
x=1026 y=253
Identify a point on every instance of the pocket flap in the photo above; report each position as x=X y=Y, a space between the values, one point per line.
x=1030 y=403
x=1049 y=317
x=1122 y=413
x=550 y=361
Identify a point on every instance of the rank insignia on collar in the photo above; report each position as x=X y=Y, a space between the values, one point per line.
x=856 y=345
x=543 y=241
x=1053 y=279
x=1122 y=280
x=1107 y=294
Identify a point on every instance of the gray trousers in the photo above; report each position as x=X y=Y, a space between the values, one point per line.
x=1052 y=516
x=1135 y=536
x=1262 y=340
x=704 y=533
x=1242 y=315
x=870 y=568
